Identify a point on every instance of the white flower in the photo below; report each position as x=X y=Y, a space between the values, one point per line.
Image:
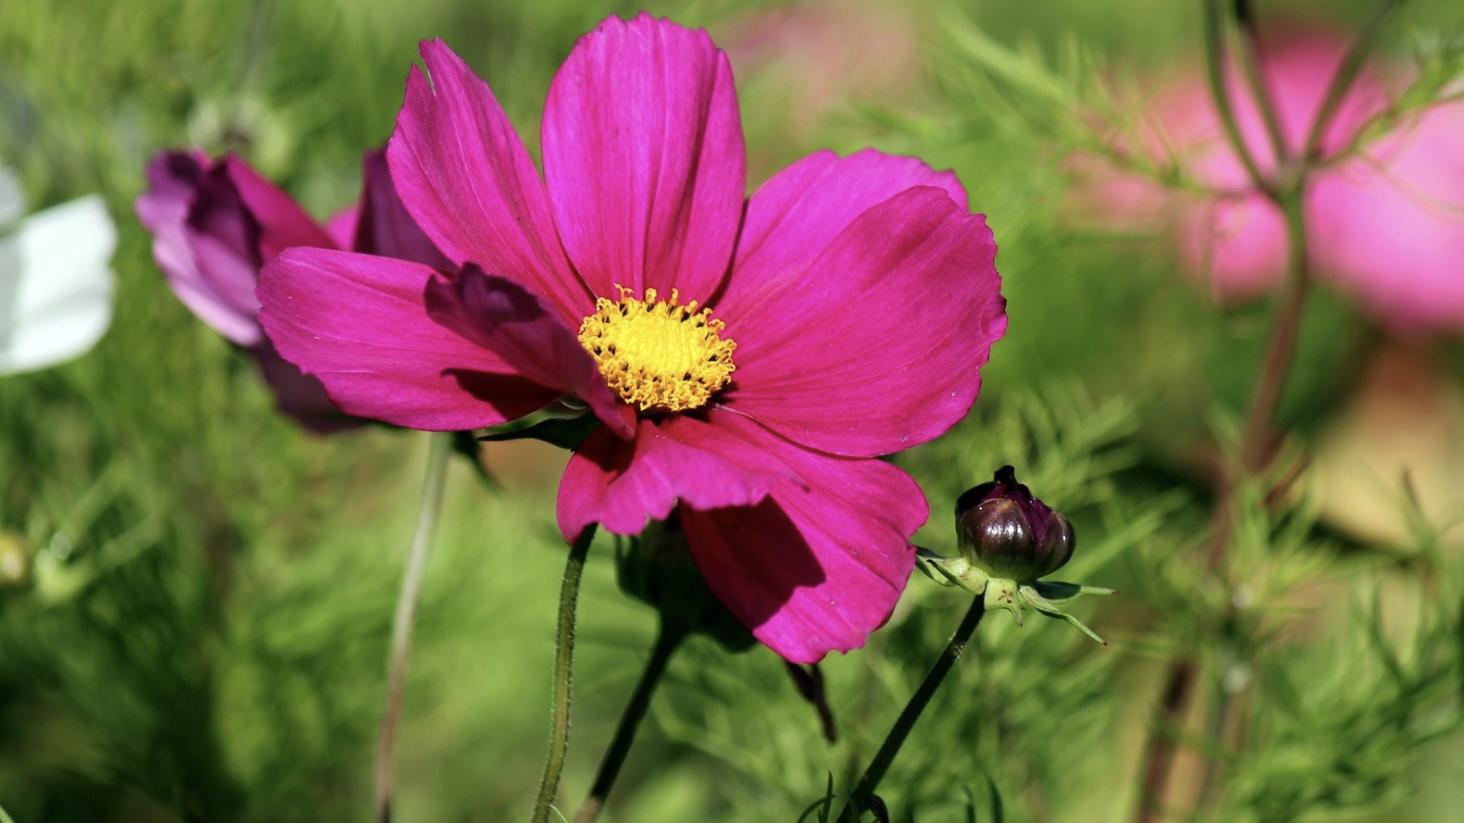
x=55 y=284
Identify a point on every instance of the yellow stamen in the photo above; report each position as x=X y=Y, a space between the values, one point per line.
x=658 y=355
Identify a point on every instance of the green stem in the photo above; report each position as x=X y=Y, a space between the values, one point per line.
x=1220 y=95
x=867 y=785
x=1252 y=68
x=1343 y=79
x=667 y=641
x=401 y=628
x=563 y=677
x=1256 y=440
x=5 y=818
x=1281 y=347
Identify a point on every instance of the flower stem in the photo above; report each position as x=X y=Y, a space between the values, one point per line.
x=668 y=640
x=401 y=626
x=1252 y=68
x=867 y=785
x=563 y=677
x=1220 y=95
x=1343 y=79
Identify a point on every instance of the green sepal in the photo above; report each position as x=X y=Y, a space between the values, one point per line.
x=550 y=426
x=1002 y=593
x=951 y=571
x=1032 y=596
x=1043 y=596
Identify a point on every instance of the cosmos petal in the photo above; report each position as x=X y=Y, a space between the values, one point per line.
x=359 y=324
x=879 y=347
x=644 y=158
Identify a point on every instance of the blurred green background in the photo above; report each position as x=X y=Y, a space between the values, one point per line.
x=200 y=625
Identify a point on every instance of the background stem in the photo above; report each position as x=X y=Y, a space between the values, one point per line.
x=1257 y=440
x=401 y=627
x=667 y=641
x=559 y=708
x=912 y=711
x=1220 y=95
x=1342 y=81
x=1252 y=67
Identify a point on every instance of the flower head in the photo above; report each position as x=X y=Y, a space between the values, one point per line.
x=215 y=223
x=748 y=357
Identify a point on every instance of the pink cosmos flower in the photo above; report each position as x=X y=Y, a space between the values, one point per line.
x=1390 y=225
x=749 y=358
x=1387 y=226
x=216 y=223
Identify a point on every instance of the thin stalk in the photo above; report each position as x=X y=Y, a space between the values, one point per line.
x=867 y=785
x=1252 y=62
x=1281 y=347
x=5 y=818
x=668 y=640
x=1343 y=79
x=1216 y=726
x=559 y=708
x=1220 y=95
x=401 y=625
x=1255 y=450
x=1256 y=436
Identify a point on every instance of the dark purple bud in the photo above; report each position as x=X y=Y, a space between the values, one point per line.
x=1006 y=532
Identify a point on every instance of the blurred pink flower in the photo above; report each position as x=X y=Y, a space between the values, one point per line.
x=216 y=223
x=856 y=299
x=1386 y=226
x=1391 y=225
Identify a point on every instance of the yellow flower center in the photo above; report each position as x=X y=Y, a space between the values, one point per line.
x=656 y=354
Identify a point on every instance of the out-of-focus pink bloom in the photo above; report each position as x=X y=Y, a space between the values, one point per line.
x=1390 y=225
x=1387 y=226
x=216 y=223
x=855 y=299
x=1240 y=241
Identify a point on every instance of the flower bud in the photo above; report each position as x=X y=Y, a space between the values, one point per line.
x=1008 y=533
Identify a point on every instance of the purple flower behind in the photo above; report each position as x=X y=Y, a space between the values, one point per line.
x=216 y=223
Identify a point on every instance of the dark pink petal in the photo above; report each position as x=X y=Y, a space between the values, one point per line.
x=504 y=318
x=359 y=324
x=800 y=210
x=223 y=294
x=299 y=395
x=818 y=565
x=342 y=226
x=644 y=159
x=384 y=227
x=620 y=484
x=464 y=176
x=880 y=344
